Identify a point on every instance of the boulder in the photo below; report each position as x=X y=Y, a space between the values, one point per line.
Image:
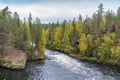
x=17 y=61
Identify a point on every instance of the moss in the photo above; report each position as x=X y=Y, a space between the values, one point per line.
x=5 y=62
x=13 y=66
x=22 y=60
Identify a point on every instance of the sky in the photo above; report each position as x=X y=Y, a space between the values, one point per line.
x=53 y=10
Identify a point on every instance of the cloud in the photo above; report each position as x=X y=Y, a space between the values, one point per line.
x=53 y=10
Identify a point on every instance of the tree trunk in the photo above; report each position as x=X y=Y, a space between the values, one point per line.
x=2 y=51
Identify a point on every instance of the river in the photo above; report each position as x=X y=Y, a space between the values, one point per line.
x=59 y=66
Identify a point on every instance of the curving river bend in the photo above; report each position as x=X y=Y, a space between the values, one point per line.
x=57 y=66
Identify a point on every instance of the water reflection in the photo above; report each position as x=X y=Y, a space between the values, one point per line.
x=7 y=74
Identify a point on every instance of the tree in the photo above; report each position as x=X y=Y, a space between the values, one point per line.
x=87 y=25
x=20 y=41
x=79 y=29
x=102 y=52
x=104 y=48
x=89 y=41
x=67 y=47
x=16 y=19
x=83 y=44
x=51 y=35
x=37 y=33
x=100 y=13
x=27 y=29
x=118 y=13
x=117 y=55
x=109 y=18
x=102 y=25
x=58 y=38
x=4 y=29
x=31 y=29
x=42 y=42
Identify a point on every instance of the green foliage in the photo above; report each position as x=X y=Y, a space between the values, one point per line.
x=20 y=40
x=15 y=33
x=4 y=29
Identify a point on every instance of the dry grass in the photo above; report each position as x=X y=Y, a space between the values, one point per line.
x=12 y=53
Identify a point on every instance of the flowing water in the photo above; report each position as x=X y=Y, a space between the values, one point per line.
x=59 y=66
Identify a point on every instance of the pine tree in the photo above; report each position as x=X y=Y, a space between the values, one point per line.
x=42 y=43
x=27 y=28
x=31 y=29
x=4 y=30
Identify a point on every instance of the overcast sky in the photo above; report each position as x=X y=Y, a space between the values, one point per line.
x=53 y=10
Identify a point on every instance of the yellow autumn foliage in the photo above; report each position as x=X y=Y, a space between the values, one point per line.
x=83 y=43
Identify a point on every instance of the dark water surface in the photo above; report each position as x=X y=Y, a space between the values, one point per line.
x=58 y=66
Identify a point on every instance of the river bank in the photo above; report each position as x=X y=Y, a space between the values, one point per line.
x=93 y=60
x=16 y=59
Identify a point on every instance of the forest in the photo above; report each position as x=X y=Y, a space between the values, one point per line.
x=93 y=38
x=27 y=35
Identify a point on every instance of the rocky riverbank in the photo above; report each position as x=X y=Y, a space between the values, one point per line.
x=16 y=59
x=14 y=62
x=13 y=58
